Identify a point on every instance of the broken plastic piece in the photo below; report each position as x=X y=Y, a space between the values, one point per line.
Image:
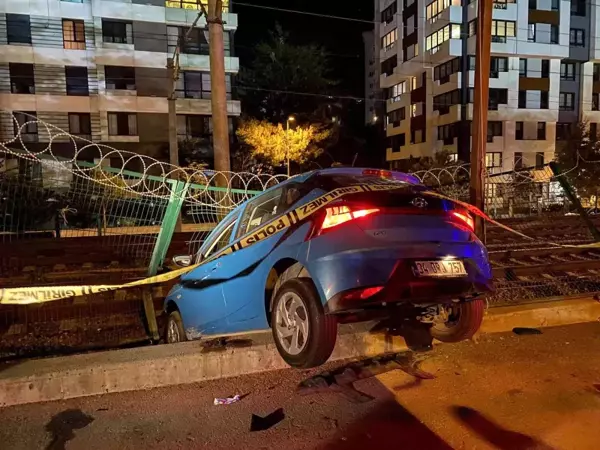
x=227 y=401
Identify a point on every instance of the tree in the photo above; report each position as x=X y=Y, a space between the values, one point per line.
x=578 y=157
x=277 y=145
x=279 y=69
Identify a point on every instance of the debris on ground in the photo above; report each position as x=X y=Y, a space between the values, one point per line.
x=264 y=423
x=227 y=400
x=522 y=331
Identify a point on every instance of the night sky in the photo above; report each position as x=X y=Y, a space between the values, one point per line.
x=341 y=38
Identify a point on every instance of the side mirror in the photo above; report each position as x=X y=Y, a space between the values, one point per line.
x=182 y=260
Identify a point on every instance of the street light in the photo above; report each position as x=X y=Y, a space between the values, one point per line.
x=287 y=145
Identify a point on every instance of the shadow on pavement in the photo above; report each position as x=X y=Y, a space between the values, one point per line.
x=388 y=426
x=62 y=425
x=493 y=433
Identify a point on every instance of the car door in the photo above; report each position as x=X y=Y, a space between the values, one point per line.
x=244 y=293
x=201 y=303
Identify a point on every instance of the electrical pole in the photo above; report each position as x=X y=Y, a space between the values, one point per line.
x=220 y=122
x=480 y=108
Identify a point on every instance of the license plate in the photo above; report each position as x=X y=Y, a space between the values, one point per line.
x=440 y=268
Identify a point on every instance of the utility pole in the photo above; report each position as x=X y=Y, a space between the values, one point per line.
x=480 y=109
x=214 y=18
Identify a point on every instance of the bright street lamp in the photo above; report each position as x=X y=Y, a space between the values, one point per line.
x=287 y=145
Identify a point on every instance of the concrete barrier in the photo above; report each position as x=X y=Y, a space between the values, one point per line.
x=150 y=367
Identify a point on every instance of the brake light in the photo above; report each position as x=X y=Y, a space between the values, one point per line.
x=337 y=215
x=464 y=218
x=377 y=173
x=362 y=293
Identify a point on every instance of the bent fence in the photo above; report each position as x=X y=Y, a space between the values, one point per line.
x=108 y=216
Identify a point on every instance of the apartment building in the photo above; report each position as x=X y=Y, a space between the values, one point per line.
x=543 y=77
x=97 y=69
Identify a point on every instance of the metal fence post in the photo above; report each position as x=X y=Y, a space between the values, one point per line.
x=178 y=192
x=570 y=193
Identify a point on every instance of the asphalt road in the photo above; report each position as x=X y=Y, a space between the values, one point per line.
x=504 y=391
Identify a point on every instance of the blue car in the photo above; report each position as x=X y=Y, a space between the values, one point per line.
x=386 y=250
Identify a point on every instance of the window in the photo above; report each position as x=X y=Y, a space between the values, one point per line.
x=117 y=32
x=122 y=124
x=501 y=4
x=192 y=4
x=388 y=66
x=194 y=126
x=197 y=85
x=531 y=32
x=522 y=67
x=545 y=68
x=501 y=29
x=562 y=130
x=77 y=80
x=435 y=8
x=395 y=117
x=578 y=7
x=443 y=102
x=25 y=124
x=497 y=97
x=554 y=34
x=260 y=210
x=593 y=130
x=196 y=44
x=416 y=136
x=18 y=29
x=80 y=124
x=595 y=102
x=566 y=101
x=472 y=28
x=434 y=40
x=221 y=239
x=541 y=131
x=493 y=159
x=532 y=4
x=396 y=141
x=22 y=80
x=596 y=72
x=413 y=83
x=389 y=13
x=494 y=128
x=447 y=133
x=498 y=64
x=577 y=37
x=519 y=131
x=118 y=77
x=389 y=39
x=443 y=71
x=396 y=91
x=518 y=159
x=410 y=52
x=416 y=109
x=567 y=71
x=73 y=34
x=539 y=160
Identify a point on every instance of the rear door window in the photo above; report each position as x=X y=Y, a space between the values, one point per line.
x=260 y=210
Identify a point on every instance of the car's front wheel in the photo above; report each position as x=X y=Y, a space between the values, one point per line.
x=174 y=331
x=304 y=335
x=464 y=319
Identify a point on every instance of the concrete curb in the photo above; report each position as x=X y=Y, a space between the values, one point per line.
x=165 y=365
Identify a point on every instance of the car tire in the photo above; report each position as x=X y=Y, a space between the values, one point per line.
x=463 y=324
x=297 y=310
x=174 y=331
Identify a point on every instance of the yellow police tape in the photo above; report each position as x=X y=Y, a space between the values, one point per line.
x=42 y=294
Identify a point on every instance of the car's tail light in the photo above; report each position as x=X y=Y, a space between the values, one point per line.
x=337 y=215
x=362 y=293
x=463 y=218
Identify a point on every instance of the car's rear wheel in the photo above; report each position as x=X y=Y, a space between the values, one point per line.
x=174 y=330
x=463 y=322
x=304 y=335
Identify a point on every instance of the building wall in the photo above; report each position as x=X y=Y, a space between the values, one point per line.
x=526 y=93
x=147 y=55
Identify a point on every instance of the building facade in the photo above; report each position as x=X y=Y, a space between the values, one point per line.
x=544 y=77
x=97 y=69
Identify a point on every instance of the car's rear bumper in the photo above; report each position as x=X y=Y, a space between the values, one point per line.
x=404 y=286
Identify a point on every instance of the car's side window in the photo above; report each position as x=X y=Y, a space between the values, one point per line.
x=219 y=241
x=259 y=211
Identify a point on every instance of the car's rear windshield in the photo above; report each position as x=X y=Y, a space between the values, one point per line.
x=329 y=182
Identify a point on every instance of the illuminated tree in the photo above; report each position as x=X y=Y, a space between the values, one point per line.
x=278 y=145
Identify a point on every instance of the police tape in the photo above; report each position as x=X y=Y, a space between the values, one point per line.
x=42 y=294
